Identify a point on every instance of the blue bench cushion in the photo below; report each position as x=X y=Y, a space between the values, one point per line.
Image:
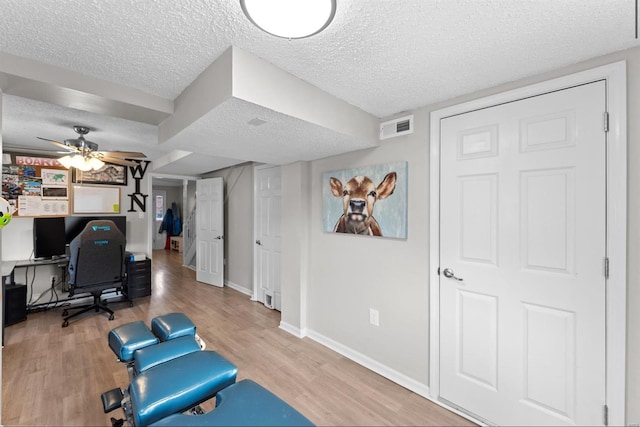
x=172 y=325
x=179 y=384
x=245 y=403
x=149 y=357
x=125 y=339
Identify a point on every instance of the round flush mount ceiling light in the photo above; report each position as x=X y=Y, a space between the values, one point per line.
x=291 y=19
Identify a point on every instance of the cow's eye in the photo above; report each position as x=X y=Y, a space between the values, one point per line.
x=372 y=193
x=345 y=192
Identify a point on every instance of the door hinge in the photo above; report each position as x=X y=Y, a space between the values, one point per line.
x=605 y=415
x=438 y=271
x=606 y=268
x=606 y=121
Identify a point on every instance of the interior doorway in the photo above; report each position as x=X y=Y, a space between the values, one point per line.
x=180 y=190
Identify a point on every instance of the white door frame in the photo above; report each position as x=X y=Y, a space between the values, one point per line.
x=616 y=80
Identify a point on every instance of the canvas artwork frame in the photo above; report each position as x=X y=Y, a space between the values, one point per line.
x=382 y=188
x=109 y=174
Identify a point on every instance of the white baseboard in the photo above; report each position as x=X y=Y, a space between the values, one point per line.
x=238 y=288
x=377 y=367
x=297 y=332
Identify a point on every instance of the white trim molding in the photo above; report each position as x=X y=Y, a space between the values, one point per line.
x=616 y=83
x=238 y=288
x=296 y=332
x=369 y=363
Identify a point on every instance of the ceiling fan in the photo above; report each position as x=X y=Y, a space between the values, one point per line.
x=84 y=155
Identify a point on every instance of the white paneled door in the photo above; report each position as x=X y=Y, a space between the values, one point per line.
x=268 y=192
x=210 y=231
x=522 y=235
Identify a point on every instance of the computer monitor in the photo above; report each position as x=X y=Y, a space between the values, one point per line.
x=49 y=237
x=75 y=224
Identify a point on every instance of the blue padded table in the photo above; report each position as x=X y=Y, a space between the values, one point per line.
x=244 y=403
x=178 y=385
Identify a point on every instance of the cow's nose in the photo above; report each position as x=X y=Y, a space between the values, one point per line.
x=357 y=205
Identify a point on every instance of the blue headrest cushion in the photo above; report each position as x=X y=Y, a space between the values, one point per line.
x=125 y=339
x=172 y=325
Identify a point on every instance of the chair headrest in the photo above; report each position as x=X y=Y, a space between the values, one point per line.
x=99 y=230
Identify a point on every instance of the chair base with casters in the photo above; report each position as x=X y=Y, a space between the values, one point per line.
x=97 y=306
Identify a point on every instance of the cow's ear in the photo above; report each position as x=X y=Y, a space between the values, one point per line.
x=386 y=187
x=336 y=187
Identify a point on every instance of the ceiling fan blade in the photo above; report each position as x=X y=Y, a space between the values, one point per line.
x=47 y=139
x=117 y=161
x=59 y=144
x=123 y=154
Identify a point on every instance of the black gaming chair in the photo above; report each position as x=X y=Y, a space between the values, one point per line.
x=96 y=263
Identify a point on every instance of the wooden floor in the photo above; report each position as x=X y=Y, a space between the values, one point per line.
x=55 y=376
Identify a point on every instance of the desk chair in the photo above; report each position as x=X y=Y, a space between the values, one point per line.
x=96 y=263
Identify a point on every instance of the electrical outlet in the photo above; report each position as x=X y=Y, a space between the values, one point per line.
x=374 y=317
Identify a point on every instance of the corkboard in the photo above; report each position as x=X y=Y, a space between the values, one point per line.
x=36 y=186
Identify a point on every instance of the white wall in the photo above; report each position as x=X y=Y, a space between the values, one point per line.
x=347 y=275
x=137 y=222
x=350 y=274
x=190 y=198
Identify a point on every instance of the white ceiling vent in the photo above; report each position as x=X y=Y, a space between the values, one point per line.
x=396 y=127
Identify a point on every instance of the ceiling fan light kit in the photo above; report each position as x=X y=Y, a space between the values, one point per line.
x=80 y=162
x=84 y=155
x=290 y=19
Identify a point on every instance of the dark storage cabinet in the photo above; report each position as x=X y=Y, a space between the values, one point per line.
x=15 y=304
x=138 y=279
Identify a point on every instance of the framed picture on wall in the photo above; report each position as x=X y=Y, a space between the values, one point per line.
x=366 y=201
x=109 y=174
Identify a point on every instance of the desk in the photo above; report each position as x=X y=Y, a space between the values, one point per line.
x=8 y=267
x=14 y=302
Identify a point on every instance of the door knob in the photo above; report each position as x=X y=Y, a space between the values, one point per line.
x=258 y=242
x=449 y=274
x=219 y=238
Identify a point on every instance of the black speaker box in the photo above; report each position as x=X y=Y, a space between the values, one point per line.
x=15 y=304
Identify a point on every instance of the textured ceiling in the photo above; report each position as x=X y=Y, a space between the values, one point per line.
x=385 y=56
